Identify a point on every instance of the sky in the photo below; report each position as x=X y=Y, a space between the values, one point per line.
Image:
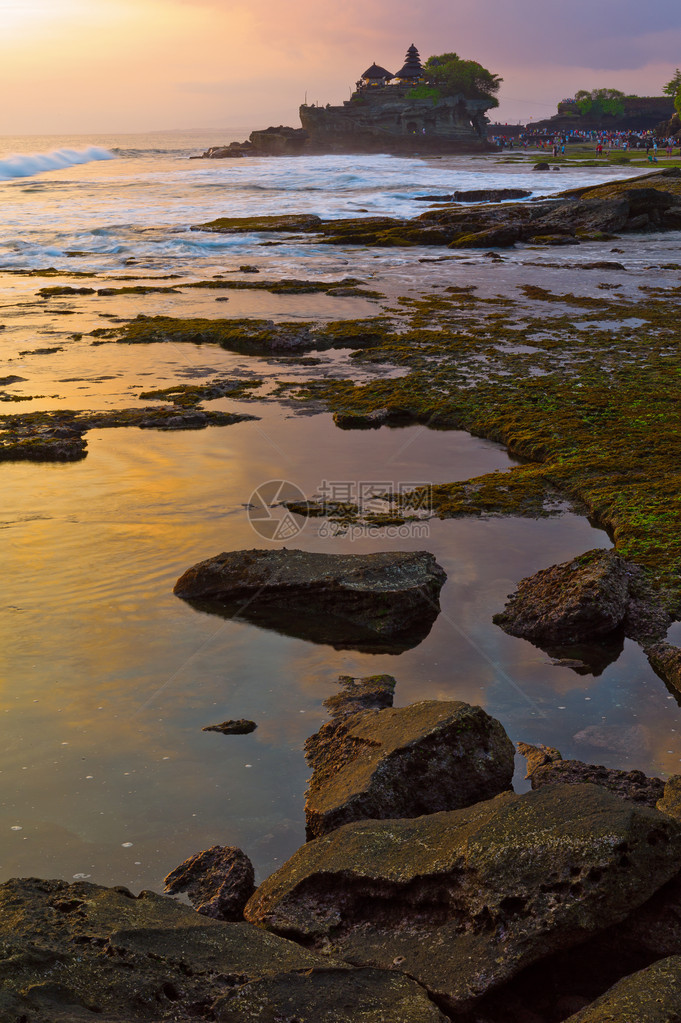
x=94 y=66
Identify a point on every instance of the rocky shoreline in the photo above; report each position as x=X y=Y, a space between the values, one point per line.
x=430 y=892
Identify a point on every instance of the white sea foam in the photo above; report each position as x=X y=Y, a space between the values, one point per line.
x=28 y=164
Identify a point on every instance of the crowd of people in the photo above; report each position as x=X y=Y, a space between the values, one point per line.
x=605 y=142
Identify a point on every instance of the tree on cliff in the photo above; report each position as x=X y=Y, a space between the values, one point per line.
x=600 y=102
x=451 y=76
x=673 y=89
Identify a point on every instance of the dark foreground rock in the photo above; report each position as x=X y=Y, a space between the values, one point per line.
x=649 y=996
x=404 y=762
x=484 y=892
x=544 y=767
x=386 y=601
x=572 y=602
x=80 y=953
x=218 y=881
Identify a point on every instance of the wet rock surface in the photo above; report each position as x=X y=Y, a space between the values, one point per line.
x=485 y=891
x=218 y=881
x=80 y=952
x=573 y=602
x=404 y=762
x=385 y=601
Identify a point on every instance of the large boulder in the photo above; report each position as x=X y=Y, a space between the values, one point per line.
x=404 y=762
x=573 y=602
x=652 y=995
x=374 y=602
x=74 y=953
x=218 y=881
x=462 y=901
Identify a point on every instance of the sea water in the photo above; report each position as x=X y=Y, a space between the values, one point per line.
x=107 y=678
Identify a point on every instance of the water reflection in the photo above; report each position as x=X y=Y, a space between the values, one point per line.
x=109 y=678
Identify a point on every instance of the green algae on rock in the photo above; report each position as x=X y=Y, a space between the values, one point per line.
x=190 y=395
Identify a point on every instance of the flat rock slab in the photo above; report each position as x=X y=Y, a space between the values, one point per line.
x=405 y=762
x=572 y=602
x=80 y=952
x=386 y=601
x=462 y=901
x=652 y=995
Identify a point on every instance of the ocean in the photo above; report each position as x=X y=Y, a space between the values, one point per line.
x=108 y=679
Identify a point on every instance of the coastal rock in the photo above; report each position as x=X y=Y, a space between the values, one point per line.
x=404 y=762
x=218 y=881
x=79 y=952
x=652 y=995
x=241 y=727
x=491 y=238
x=386 y=601
x=462 y=901
x=545 y=768
x=282 y=222
x=572 y=602
x=665 y=660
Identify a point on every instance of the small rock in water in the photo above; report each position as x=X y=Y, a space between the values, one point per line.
x=241 y=727
x=219 y=881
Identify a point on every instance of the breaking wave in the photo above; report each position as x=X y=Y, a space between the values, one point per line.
x=24 y=166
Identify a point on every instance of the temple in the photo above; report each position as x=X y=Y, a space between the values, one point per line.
x=398 y=114
x=390 y=113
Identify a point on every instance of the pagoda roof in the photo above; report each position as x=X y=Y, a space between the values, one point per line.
x=376 y=71
x=413 y=68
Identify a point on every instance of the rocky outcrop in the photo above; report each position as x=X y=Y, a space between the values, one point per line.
x=484 y=892
x=573 y=602
x=545 y=766
x=477 y=195
x=652 y=995
x=386 y=601
x=218 y=881
x=79 y=952
x=404 y=762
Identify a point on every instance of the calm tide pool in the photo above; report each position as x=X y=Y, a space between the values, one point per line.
x=109 y=678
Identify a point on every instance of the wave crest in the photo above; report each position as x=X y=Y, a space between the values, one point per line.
x=27 y=164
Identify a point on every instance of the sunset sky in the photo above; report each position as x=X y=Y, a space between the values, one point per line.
x=79 y=66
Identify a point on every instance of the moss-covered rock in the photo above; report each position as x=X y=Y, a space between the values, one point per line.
x=483 y=891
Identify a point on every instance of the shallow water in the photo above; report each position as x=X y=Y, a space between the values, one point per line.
x=108 y=678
